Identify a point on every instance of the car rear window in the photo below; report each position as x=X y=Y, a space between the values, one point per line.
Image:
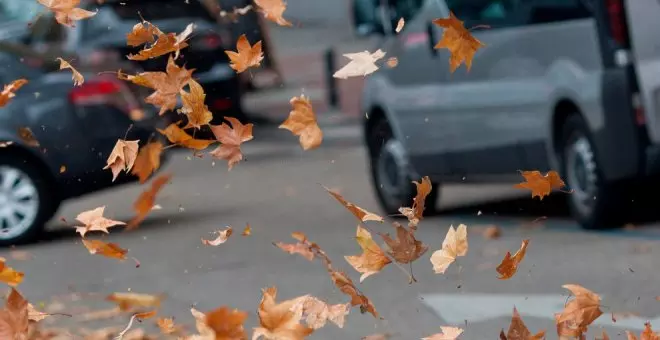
x=160 y=9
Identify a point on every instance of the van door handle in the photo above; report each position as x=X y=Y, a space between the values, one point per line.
x=430 y=33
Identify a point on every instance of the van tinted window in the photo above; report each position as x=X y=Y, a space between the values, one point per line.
x=494 y=13
x=547 y=11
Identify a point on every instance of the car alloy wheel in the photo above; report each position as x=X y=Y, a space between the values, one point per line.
x=581 y=175
x=19 y=202
x=392 y=172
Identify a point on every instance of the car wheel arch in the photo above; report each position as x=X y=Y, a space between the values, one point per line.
x=29 y=156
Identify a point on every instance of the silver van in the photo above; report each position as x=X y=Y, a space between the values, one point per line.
x=566 y=85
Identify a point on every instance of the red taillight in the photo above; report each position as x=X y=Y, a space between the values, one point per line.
x=617 y=21
x=93 y=91
x=209 y=41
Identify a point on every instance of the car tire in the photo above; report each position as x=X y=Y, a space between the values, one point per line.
x=27 y=201
x=390 y=175
x=593 y=202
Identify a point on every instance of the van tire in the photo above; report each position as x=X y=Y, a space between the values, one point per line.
x=383 y=147
x=593 y=202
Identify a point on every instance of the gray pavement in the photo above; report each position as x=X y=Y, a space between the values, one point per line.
x=277 y=191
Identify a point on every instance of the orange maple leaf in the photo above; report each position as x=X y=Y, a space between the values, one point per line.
x=93 y=220
x=193 y=106
x=147 y=199
x=454 y=245
x=10 y=276
x=223 y=236
x=77 y=78
x=131 y=301
x=509 y=265
x=273 y=10
x=178 y=136
x=406 y=248
x=142 y=33
x=372 y=260
x=647 y=334
x=540 y=185
x=222 y=324
x=66 y=11
x=358 y=212
x=231 y=139
x=414 y=214
x=9 y=91
x=111 y=250
x=167 y=84
x=302 y=122
x=247 y=231
x=448 y=333
x=580 y=312
x=14 y=317
x=279 y=320
x=518 y=330
x=361 y=64
x=246 y=56
x=458 y=40
x=122 y=157
x=147 y=160
x=167 y=326
x=165 y=44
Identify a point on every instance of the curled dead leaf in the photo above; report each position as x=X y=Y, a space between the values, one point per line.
x=77 y=78
x=111 y=250
x=302 y=122
x=66 y=11
x=358 y=212
x=178 y=136
x=122 y=157
x=222 y=237
x=279 y=320
x=147 y=200
x=132 y=301
x=509 y=265
x=372 y=260
x=9 y=91
x=454 y=245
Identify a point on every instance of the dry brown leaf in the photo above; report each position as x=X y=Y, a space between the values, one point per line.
x=518 y=330
x=647 y=334
x=246 y=55
x=540 y=185
x=9 y=91
x=93 y=220
x=492 y=232
x=458 y=40
x=358 y=212
x=302 y=122
x=447 y=333
x=247 y=231
x=454 y=245
x=146 y=315
x=147 y=200
x=147 y=161
x=277 y=320
x=167 y=85
x=361 y=64
x=372 y=260
x=77 y=78
x=66 y=11
x=122 y=157
x=578 y=313
x=416 y=212
x=62 y=169
x=34 y=315
x=231 y=139
x=178 y=136
x=193 y=106
x=225 y=324
x=142 y=33
x=167 y=326
x=166 y=43
x=27 y=137
x=346 y=286
x=111 y=250
x=273 y=10
x=222 y=237
x=297 y=248
x=14 y=320
x=509 y=265
x=317 y=312
x=399 y=25
x=134 y=301
x=10 y=276
x=392 y=62
x=405 y=249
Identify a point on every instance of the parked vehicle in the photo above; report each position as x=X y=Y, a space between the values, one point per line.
x=567 y=85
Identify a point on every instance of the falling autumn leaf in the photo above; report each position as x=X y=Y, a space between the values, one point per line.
x=10 y=276
x=302 y=122
x=454 y=245
x=62 y=169
x=540 y=185
x=167 y=326
x=111 y=250
x=166 y=43
x=405 y=249
x=247 y=231
x=492 y=232
x=518 y=330
x=297 y=248
x=223 y=324
x=447 y=333
x=231 y=139
x=346 y=286
x=647 y=333
x=392 y=62
x=142 y=33
x=93 y=220
x=9 y=91
x=246 y=56
x=458 y=40
x=414 y=214
x=580 y=311
x=277 y=320
x=273 y=10
x=509 y=265
x=176 y=135
x=361 y=64
x=317 y=312
x=122 y=157
x=145 y=315
x=77 y=77
x=193 y=106
x=167 y=85
x=372 y=260
x=147 y=161
x=27 y=137
x=358 y=212
x=399 y=25
x=14 y=319
x=131 y=301
x=66 y=11
x=147 y=200
x=222 y=237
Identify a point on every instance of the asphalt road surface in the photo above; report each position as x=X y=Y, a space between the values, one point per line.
x=277 y=191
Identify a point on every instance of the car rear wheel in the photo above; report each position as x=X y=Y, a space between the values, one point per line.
x=390 y=172
x=26 y=203
x=593 y=201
